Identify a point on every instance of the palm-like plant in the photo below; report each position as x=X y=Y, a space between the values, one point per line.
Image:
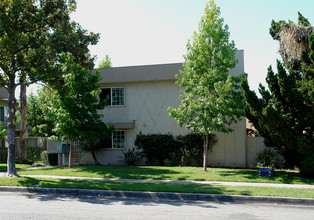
x=92 y=147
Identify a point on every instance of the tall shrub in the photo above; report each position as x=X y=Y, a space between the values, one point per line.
x=156 y=147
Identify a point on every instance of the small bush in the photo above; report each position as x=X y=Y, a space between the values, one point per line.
x=32 y=154
x=270 y=157
x=44 y=157
x=131 y=156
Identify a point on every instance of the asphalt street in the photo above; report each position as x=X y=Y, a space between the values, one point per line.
x=17 y=205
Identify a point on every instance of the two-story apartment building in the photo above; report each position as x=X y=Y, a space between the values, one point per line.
x=139 y=98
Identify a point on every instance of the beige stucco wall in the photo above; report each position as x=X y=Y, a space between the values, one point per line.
x=3 y=102
x=230 y=149
x=3 y=93
x=255 y=145
x=147 y=104
x=147 y=97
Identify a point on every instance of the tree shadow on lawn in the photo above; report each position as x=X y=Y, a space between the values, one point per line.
x=130 y=172
x=116 y=172
x=113 y=192
x=279 y=177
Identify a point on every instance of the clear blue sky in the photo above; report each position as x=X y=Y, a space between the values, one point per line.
x=140 y=32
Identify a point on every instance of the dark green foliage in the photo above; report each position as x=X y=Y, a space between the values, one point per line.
x=156 y=147
x=131 y=156
x=38 y=113
x=91 y=147
x=32 y=154
x=284 y=115
x=187 y=150
x=270 y=157
x=307 y=166
x=76 y=106
x=191 y=148
x=94 y=143
x=303 y=21
x=35 y=38
x=44 y=157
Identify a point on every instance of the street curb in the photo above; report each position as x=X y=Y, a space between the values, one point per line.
x=157 y=195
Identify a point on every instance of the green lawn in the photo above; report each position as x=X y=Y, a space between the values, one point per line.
x=3 y=166
x=165 y=173
x=173 y=173
x=158 y=187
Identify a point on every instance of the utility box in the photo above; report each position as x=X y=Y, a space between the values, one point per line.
x=52 y=159
x=58 y=153
x=62 y=148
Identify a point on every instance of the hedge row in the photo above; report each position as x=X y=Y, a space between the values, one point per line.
x=179 y=150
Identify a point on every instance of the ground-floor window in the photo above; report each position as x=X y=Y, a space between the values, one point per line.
x=117 y=140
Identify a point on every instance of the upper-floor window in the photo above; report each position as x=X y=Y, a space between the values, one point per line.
x=115 y=94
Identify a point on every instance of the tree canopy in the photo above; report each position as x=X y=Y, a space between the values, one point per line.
x=38 y=112
x=284 y=114
x=36 y=36
x=76 y=107
x=211 y=99
x=105 y=63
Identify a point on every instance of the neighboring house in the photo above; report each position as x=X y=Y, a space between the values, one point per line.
x=139 y=98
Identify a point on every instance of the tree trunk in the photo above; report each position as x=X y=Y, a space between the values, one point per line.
x=23 y=131
x=70 y=154
x=11 y=170
x=205 y=153
x=95 y=159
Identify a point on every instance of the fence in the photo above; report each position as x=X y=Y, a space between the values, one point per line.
x=38 y=145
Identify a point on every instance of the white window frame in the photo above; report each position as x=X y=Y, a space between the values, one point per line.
x=118 y=98
x=112 y=140
x=111 y=97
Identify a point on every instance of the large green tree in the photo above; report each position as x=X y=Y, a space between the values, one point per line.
x=35 y=35
x=76 y=107
x=39 y=115
x=211 y=100
x=284 y=114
